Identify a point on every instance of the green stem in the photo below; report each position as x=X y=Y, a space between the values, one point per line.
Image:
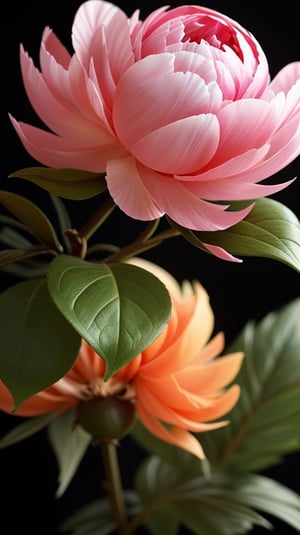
x=140 y=245
x=92 y=225
x=114 y=484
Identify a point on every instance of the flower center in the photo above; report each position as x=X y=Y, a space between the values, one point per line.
x=214 y=32
x=98 y=388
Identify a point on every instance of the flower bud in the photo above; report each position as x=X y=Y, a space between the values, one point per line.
x=106 y=417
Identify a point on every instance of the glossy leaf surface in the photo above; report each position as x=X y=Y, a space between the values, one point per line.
x=32 y=217
x=67 y=183
x=37 y=344
x=265 y=423
x=271 y=230
x=119 y=309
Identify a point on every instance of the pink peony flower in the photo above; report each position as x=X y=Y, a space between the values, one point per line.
x=178 y=384
x=178 y=110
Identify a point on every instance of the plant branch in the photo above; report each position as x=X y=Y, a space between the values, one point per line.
x=98 y=218
x=141 y=244
x=114 y=484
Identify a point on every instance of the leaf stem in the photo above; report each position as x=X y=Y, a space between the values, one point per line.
x=141 y=244
x=92 y=225
x=114 y=484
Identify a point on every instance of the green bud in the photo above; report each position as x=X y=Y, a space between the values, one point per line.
x=106 y=417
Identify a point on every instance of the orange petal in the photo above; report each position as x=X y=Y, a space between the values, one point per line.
x=176 y=436
x=212 y=376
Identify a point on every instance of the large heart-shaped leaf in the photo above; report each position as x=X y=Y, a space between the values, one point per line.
x=37 y=344
x=67 y=183
x=119 y=309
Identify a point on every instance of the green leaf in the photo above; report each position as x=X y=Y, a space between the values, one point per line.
x=37 y=344
x=96 y=517
x=204 y=505
x=7 y=256
x=268 y=496
x=119 y=309
x=68 y=183
x=69 y=444
x=11 y=237
x=27 y=269
x=63 y=219
x=32 y=217
x=26 y=429
x=162 y=521
x=271 y=230
x=265 y=423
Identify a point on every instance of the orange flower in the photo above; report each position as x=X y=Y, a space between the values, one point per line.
x=177 y=383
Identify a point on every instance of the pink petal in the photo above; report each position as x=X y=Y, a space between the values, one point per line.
x=88 y=19
x=143 y=105
x=128 y=191
x=53 y=151
x=117 y=50
x=173 y=198
x=233 y=167
x=285 y=78
x=221 y=253
x=65 y=76
x=234 y=189
x=51 y=47
x=59 y=116
x=181 y=147
x=244 y=125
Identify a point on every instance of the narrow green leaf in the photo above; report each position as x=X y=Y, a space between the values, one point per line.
x=205 y=505
x=162 y=521
x=68 y=183
x=37 y=344
x=69 y=444
x=32 y=217
x=11 y=237
x=119 y=309
x=271 y=230
x=265 y=423
x=96 y=518
x=63 y=219
x=268 y=496
x=7 y=256
x=26 y=429
x=27 y=269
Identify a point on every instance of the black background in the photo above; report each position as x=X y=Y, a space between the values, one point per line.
x=238 y=292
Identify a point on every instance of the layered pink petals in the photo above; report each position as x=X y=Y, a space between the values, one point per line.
x=178 y=110
x=179 y=384
x=146 y=194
